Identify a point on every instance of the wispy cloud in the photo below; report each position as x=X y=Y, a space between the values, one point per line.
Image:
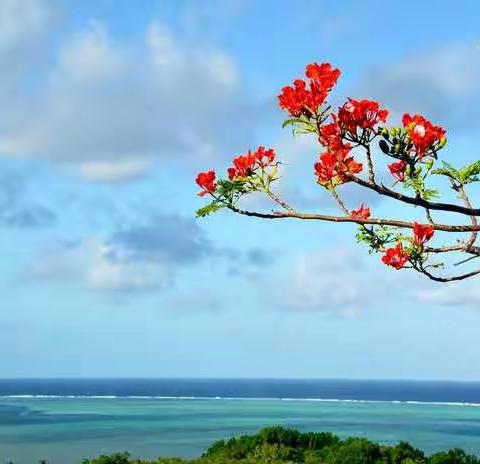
x=112 y=110
x=17 y=208
x=138 y=258
x=465 y=294
x=329 y=280
x=86 y=264
x=441 y=83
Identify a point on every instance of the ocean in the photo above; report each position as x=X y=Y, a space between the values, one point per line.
x=64 y=421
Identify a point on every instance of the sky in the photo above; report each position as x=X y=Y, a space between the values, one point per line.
x=109 y=108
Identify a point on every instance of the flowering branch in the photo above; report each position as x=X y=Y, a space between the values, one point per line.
x=358 y=124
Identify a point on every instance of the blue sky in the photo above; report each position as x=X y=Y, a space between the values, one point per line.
x=111 y=107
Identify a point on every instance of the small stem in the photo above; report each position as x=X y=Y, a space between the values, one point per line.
x=422 y=270
x=463 y=195
x=340 y=202
x=278 y=200
x=466 y=260
x=371 y=171
x=429 y=216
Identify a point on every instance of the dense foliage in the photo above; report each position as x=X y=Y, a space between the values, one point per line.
x=278 y=445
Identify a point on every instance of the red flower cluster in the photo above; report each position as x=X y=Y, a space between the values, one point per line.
x=305 y=98
x=330 y=136
x=361 y=213
x=422 y=133
x=396 y=257
x=422 y=233
x=363 y=114
x=333 y=165
x=206 y=180
x=265 y=157
x=398 y=170
x=245 y=165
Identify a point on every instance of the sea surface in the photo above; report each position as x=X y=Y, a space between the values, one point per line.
x=64 y=421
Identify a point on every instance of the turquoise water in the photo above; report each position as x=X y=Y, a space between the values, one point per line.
x=65 y=430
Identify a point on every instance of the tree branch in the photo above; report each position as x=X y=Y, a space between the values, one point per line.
x=422 y=270
x=329 y=218
x=382 y=190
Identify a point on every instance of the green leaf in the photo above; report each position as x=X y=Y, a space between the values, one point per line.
x=470 y=173
x=446 y=170
x=430 y=194
x=209 y=209
x=291 y=122
x=465 y=175
x=376 y=237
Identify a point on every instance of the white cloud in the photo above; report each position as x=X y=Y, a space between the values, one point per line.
x=90 y=56
x=103 y=100
x=441 y=83
x=332 y=280
x=24 y=27
x=87 y=264
x=349 y=282
x=143 y=256
x=105 y=275
x=21 y=21
x=113 y=171
x=466 y=293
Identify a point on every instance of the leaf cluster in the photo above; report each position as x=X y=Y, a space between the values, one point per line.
x=463 y=176
x=376 y=237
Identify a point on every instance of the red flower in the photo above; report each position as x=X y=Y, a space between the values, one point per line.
x=206 y=180
x=306 y=99
x=398 y=170
x=361 y=213
x=333 y=165
x=245 y=165
x=325 y=167
x=264 y=157
x=322 y=76
x=422 y=233
x=295 y=99
x=330 y=135
x=363 y=114
x=396 y=257
x=422 y=133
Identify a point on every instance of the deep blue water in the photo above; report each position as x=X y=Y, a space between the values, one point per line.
x=391 y=390
x=64 y=421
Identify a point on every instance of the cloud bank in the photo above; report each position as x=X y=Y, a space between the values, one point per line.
x=113 y=109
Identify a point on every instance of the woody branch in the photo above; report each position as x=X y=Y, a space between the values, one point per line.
x=414 y=149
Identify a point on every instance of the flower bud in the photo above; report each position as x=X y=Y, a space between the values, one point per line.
x=408 y=170
x=429 y=163
x=443 y=142
x=393 y=131
x=384 y=146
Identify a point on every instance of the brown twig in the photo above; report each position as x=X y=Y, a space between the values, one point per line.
x=329 y=218
x=422 y=270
